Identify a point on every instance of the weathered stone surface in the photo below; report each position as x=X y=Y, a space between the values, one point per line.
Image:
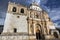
x=14 y=37
x=12 y=22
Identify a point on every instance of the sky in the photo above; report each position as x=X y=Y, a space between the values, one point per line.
x=51 y=6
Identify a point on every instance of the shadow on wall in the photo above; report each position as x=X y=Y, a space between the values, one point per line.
x=1 y=28
x=58 y=29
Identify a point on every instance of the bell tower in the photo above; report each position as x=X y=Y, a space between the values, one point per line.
x=15 y=21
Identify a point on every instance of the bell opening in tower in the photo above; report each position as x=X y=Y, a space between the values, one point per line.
x=22 y=10
x=14 y=9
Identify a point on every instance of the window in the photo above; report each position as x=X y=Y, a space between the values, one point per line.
x=49 y=19
x=17 y=16
x=14 y=9
x=32 y=14
x=22 y=10
x=15 y=30
x=36 y=16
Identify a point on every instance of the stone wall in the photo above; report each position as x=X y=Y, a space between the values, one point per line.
x=19 y=37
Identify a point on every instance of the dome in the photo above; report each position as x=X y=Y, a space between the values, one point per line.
x=35 y=6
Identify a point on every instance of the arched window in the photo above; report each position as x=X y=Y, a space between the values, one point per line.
x=22 y=10
x=14 y=9
x=37 y=16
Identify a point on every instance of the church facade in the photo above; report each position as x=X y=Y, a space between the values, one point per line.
x=26 y=20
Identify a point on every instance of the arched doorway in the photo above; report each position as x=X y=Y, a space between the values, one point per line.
x=38 y=31
x=38 y=26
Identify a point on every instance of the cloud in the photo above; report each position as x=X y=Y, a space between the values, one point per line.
x=38 y=1
x=2 y=21
x=2 y=14
x=55 y=16
x=54 y=12
x=56 y=25
x=43 y=1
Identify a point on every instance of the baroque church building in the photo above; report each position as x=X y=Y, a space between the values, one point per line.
x=26 y=20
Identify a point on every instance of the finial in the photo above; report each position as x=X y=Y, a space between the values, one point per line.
x=14 y=2
x=9 y=2
x=34 y=1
